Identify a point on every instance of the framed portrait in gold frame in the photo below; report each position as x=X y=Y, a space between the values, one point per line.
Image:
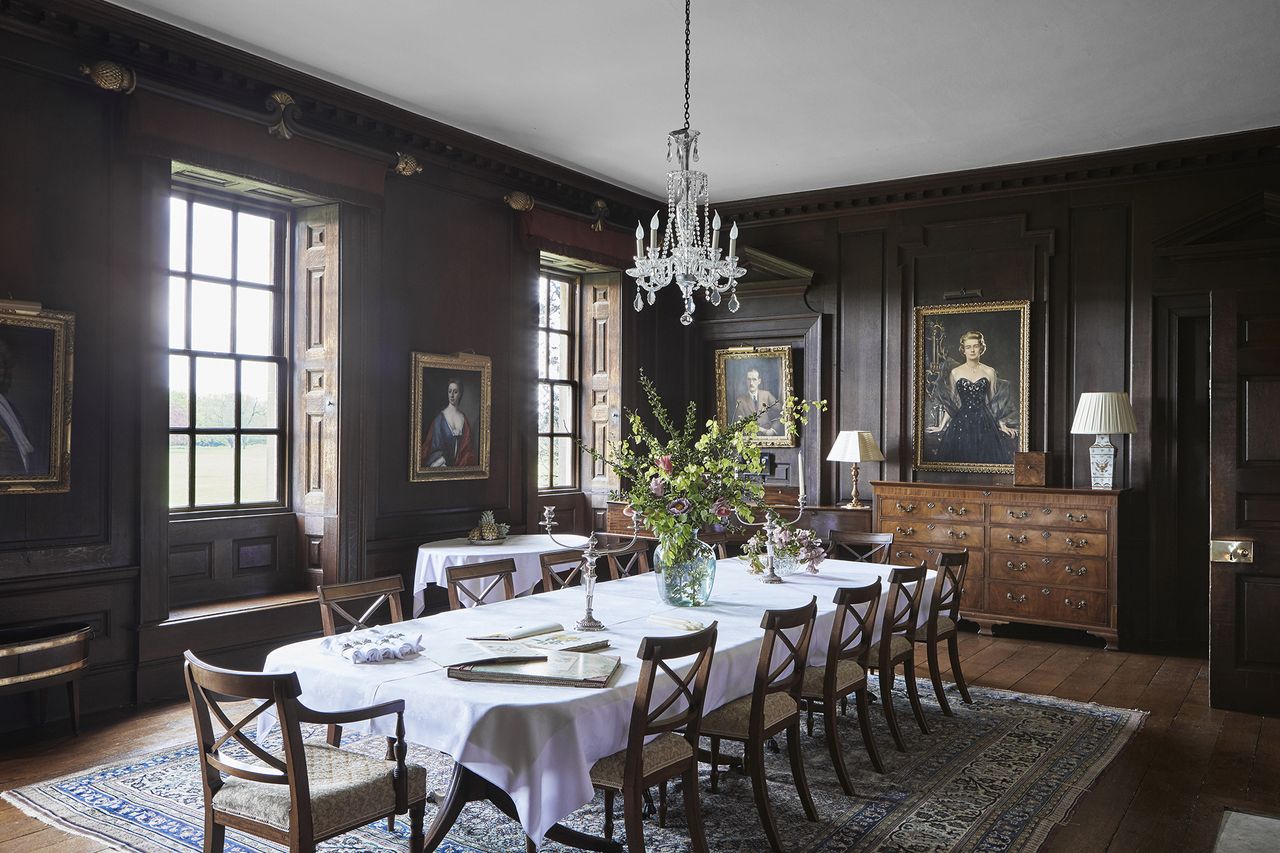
x=36 y=354
x=450 y=417
x=972 y=376
x=756 y=381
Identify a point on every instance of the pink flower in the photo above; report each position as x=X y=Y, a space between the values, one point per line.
x=664 y=462
x=658 y=487
x=679 y=506
x=721 y=508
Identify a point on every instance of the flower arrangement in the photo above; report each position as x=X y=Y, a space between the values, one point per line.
x=790 y=544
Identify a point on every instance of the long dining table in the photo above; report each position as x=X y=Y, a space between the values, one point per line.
x=530 y=748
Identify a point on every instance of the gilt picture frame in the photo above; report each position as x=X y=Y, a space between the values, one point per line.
x=450 y=417
x=36 y=372
x=972 y=386
x=768 y=369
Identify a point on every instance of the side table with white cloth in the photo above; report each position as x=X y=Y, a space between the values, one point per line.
x=530 y=748
x=524 y=549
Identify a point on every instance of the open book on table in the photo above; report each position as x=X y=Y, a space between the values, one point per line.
x=549 y=636
x=564 y=669
x=454 y=652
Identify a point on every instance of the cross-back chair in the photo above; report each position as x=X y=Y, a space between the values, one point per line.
x=845 y=673
x=940 y=623
x=670 y=716
x=772 y=706
x=896 y=645
x=496 y=572
x=334 y=599
x=631 y=560
x=564 y=568
x=275 y=796
x=726 y=543
x=861 y=547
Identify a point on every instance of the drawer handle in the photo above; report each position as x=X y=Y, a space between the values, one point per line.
x=1016 y=567
x=1084 y=516
x=1079 y=571
x=910 y=531
x=1022 y=514
x=907 y=554
x=1076 y=605
x=957 y=535
x=1044 y=590
x=907 y=508
x=961 y=511
x=1077 y=543
x=1019 y=600
x=1017 y=540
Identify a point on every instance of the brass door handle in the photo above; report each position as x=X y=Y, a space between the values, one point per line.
x=1018 y=567
x=1076 y=543
x=1022 y=514
x=908 y=508
x=1019 y=600
x=954 y=535
x=1017 y=540
x=910 y=531
x=961 y=511
x=1084 y=516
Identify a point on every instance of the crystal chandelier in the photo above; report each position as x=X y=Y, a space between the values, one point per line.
x=689 y=252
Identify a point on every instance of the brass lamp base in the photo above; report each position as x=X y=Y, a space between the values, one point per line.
x=853 y=503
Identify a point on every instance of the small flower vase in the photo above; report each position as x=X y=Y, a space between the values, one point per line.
x=687 y=583
x=784 y=565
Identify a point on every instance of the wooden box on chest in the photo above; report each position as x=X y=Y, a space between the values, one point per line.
x=1037 y=555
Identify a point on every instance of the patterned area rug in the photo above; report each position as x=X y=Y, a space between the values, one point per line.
x=998 y=776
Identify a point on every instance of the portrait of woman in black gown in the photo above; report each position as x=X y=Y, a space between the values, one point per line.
x=978 y=423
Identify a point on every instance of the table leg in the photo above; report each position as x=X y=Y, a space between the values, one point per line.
x=466 y=787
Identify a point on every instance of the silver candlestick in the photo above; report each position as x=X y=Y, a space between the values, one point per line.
x=770 y=527
x=590 y=554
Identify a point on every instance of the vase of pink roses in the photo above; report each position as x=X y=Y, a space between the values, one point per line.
x=794 y=548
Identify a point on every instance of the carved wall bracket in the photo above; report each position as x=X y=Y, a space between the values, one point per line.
x=111 y=76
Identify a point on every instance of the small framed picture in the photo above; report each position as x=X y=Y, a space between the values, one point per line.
x=450 y=409
x=36 y=350
x=971 y=386
x=756 y=381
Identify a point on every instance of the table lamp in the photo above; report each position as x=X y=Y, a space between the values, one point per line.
x=854 y=446
x=1103 y=413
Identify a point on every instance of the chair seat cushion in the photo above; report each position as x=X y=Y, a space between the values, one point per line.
x=732 y=720
x=347 y=789
x=848 y=673
x=898 y=647
x=946 y=625
x=664 y=751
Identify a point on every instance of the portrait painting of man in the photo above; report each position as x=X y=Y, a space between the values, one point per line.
x=755 y=382
x=450 y=416
x=35 y=409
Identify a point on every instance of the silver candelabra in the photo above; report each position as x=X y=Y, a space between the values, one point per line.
x=590 y=554
x=770 y=527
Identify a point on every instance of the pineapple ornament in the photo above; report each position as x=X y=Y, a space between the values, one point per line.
x=488 y=530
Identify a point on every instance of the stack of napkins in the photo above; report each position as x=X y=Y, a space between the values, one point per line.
x=371 y=645
x=676 y=622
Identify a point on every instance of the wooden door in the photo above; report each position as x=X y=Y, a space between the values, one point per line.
x=1244 y=485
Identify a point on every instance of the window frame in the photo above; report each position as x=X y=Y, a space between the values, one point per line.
x=573 y=335
x=281 y=291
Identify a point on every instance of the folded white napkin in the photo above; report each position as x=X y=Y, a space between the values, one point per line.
x=676 y=622
x=372 y=645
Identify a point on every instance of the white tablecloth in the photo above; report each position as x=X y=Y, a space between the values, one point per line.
x=435 y=557
x=538 y=743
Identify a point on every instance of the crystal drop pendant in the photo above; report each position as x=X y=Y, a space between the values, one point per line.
x=714 y=298
x=733 y=301
x=639 y=303
x=652 y=297
x=686 y=319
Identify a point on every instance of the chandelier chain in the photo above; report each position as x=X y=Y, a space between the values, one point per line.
x=687 y=44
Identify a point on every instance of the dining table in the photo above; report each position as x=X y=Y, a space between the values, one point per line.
x=525 y=550
x=529 y=748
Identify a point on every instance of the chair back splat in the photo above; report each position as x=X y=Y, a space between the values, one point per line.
x=902 y=607
x=335 y=598
x=787 y=676
x=952 y=566
x=855 y=619
x=681 y=708
x=861 y=547
x=496 y=572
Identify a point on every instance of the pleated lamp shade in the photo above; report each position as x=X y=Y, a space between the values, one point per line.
x=855 y=446
x=1104 y=413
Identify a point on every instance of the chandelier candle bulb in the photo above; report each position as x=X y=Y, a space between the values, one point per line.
x=653 y=232
x=715 y=233
x=733 y=241
x=639 y=240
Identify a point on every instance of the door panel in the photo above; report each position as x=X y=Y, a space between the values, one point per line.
x=1244 y=473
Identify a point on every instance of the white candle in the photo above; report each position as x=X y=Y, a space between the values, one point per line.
x=639 y=239
x=800 y=465
x=653 y=232
x=715 y=233
x=733 y=240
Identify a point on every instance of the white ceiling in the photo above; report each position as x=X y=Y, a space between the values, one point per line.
x=789 y=96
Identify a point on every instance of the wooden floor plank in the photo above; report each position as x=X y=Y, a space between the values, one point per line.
x=1226 y=779
x=1006 y=673
x=1083 y=684
x=1055 y=669
x=1264 y=780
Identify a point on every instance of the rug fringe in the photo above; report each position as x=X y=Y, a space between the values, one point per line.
x=32 y=810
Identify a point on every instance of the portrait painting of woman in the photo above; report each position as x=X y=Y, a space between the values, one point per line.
x=450 y=417
x=971 y=386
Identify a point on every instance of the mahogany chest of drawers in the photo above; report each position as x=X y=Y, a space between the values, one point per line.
x=1036 y=555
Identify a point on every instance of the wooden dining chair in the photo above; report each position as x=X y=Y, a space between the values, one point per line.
x=332 y=598
x=564 y=568
x=307 y=792
x=940 y=624
x=896 y=645
x=495 y=571
x=633 y=559
x=662 y=740
x=772 y=706
x=845 y=673
x=861 y=547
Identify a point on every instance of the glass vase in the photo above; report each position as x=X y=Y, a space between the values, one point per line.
x=784 y=565
x=687 y=583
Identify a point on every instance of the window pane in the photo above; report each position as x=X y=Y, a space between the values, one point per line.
x=564 y=414
x=544 y=407
x=210 y=240
x=179 y=391
x=558 y=308
x=215 y=393
x=179 y=472
x=564 y=462
x=178 y=233
x=215 y=470
x=254 y=321
x=210 y=316
x=177 y=313
x=259 y=387
x=542 y=355
x=544 y=463
x=258 y=459
x=558 y=356
x=254 y=245
x=542 y=300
